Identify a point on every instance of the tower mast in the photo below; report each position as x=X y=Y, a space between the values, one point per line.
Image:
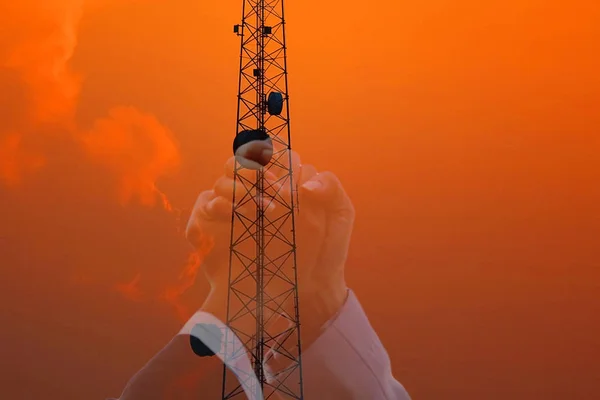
x=262 y=303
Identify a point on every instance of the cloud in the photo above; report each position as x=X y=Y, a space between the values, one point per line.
x=14 y=160
x=174 y=293
x=39 y=89
x=43 y=90
x=137 y=149
x=38 y=115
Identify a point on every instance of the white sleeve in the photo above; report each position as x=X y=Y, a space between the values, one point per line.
x=348 y=361
x=229 y=349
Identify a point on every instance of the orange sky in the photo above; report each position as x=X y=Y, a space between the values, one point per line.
x=466 y=133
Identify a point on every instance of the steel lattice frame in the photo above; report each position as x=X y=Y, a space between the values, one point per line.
x=262 y=266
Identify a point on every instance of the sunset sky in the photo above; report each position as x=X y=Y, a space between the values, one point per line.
x=467 y=134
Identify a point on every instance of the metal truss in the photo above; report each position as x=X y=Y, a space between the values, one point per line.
x=262 y=309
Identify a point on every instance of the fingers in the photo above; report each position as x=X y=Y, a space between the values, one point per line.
x=224 y=187
x=219 y=208
x=210 y=206
x=203 y=199
x=216 y=204
x=194 y=231
x=282 y=186
x=229 y=167
x=280 y=162
x=244 y=193
x=255 y=152
x=307 y=172
x=276 y=175
x=323 y=188
x=245 y=173
x=278 y=183
x=280 y=165
x=326 y=189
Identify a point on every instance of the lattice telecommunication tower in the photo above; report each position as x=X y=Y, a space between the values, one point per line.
x=262 y=307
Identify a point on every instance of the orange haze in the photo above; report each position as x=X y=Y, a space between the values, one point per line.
x=466 y=133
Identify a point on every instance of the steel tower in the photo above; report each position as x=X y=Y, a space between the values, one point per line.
x=262 y=307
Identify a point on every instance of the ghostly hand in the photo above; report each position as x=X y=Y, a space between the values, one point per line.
x=323 y=230
x=324 y=226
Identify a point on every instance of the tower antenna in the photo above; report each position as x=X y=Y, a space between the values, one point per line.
x=262 y=301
